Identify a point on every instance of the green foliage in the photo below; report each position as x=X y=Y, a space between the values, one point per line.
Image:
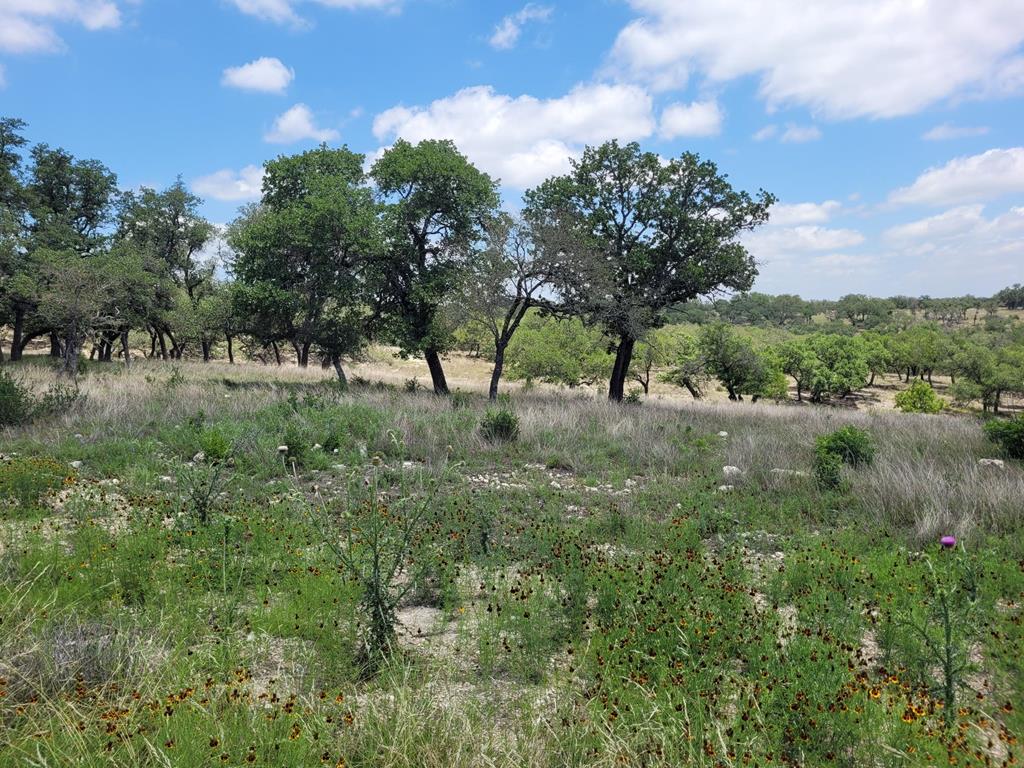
x=500 y=425
x=558 y=352
x=919 y=397
x=26 y=480
x=1008 y=434
x=17 y=405
x=214 y=444
x=852 y=445
x=828 y=469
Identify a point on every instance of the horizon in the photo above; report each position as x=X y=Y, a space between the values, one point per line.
x=902 y=173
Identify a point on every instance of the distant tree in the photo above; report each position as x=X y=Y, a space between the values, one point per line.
x=13 y=210
x=513 y=274
x=739 y=366
x=305 y=248
x=863 y=311
x=1011 y=297
x=650 y=235
x=435 y=206
x=558 y=351
x=689 y=366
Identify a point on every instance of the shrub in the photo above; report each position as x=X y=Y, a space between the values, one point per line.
x=59 y=399
x=17 y=405
x=500 y=425
x=27 y=479
x=1008 y=435
x=919 y=398
x=828 y=469
x=853 y=446
x=633 y=397
x=214 y=444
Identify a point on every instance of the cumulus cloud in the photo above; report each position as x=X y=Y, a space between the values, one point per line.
x=946 y=132
x=523 y=140
x=981 y=177
x=231 y=186
x=842 y=59
x=26 y=26
x=264 y=74
x=3 y=76
x=283 y=11
x=700 y=118
x=298 y=124
x=961 y=244
x=509 y=29
x=791 y=214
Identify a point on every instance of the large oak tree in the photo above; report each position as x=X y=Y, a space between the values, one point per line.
x=649 y=234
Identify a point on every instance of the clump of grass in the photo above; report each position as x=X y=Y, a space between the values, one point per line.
x=500 y=425
x=26 y=479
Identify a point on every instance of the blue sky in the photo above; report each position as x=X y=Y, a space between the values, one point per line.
x=891 y=130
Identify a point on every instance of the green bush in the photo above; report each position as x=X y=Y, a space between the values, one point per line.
x=919 y=398
x=27 y=479
x=500 y=425
x=1008 y=435
x=214 y=444
x=17 y=406
x=828 y=470
x=853 y=446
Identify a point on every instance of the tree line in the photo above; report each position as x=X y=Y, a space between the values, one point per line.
x=415 y=250
x=336 y=254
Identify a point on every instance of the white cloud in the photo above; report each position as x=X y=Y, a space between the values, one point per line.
x=507 y=33
x=843 y=264
x=298 y=124
x=523 y=140
x=798 y=134
x=768 y=132
x=26 y=26
x=843 y=58
x=283 y=11
x=3 y=76
x=967 y=179
x=701 y=118
x=231 y=186
x=791 y=214
x=961 y=245
x=946 y=132
x=264 y=74
x=772 y=242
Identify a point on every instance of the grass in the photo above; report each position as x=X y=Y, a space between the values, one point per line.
x=585 y=594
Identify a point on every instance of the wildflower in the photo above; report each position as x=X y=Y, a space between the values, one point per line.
x=948 y=542
x=282 y=449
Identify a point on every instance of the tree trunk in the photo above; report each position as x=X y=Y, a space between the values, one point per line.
x=872 y=382
x=799 y=392
x=125 y=350
x=19 y=333
x=55 y=348
x=303 y=352
x=623 y=357
x=231 y=349
x=342 y=379
x=499 y=365
x=69 y=353
x=206 y=350
x=691 y=389
x=163 y=345
x=436 y=372
x=277 y=352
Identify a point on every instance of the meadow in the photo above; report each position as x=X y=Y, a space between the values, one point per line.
x=188 y=554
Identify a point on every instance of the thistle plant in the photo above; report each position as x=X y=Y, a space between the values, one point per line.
x=944 y=625
x=372 y=536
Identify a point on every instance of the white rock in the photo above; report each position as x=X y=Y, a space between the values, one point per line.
x=732 y=471
x=726 y=488
x=282 y=449
x=199 y=458
x=336 y=451
x=723 y=434
x=789 y=473
x=78 y=437
x=75 y=464
x=997 y=463
x=166 y=479
x=317 y=447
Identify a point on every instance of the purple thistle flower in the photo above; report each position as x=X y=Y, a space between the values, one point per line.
x=948 y=542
